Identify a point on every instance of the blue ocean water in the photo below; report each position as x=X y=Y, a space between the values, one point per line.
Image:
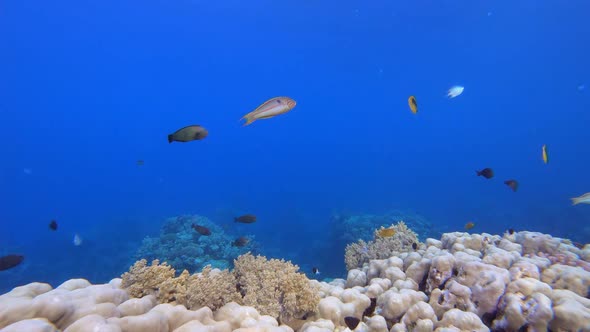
x=87 y=88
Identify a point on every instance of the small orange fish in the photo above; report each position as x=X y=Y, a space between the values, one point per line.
x=386 y=232
x=413 y=104
x=469 y=225
x=269 y=109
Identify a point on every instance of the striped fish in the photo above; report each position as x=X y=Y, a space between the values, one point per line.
x=269 y=109
x=582 y=199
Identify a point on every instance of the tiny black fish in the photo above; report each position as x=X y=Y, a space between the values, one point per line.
x=246 y=219
x=140 y=162
x=201 y=229
x=511 y=231
x=371 y=308
x=578 y=245
x=10 y=261
x=351 y=322
x=240 y=242
x=414 y=245
x=487 y=173
x=315 y=270
x=53 y=225
x=513 y=184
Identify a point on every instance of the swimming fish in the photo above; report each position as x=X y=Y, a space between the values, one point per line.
x=77 y=240
x=188 y=133
x=371 y=308
x=53 y=225
x=201 y=229
x=240 y=242
x=469 y=225
x=386 y=232
x=513 y=184
x=10 y=261
x=413 y=104
x=351 y=322
x=544 y=155
x=140 y=162
x=582 y=199
x=455 y=91
x=269 y=109
x=487 y=173
x=511 y=231
x=315 y=270
x=246 y=219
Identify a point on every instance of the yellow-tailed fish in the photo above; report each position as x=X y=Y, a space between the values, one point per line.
x=545 y=155
x=386 y=232
x=585 y=199
x=413 y=104
x=269 y=109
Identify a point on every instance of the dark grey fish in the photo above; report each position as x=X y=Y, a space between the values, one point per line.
x=187 y=134
x=351 y=322
x=201 y=229
x=240 y=242
x=10 y=261
x=487 y=173
x=371 y=308
x=246 y=219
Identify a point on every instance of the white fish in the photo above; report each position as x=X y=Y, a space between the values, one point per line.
x=77 y=240
x=582 y=199
x=455 y=91
x=269 y=109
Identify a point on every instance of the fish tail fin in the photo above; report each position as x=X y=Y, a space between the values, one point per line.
x=478 y=173
x=575 y=201
x=170 y=139
x=248 y=119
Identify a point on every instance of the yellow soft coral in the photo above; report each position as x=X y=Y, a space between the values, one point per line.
x=144 y=280
x=211 y=288
x=275 y=287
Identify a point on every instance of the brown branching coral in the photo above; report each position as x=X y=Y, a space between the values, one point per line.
x=142 y=280
x=362 y=252
x=275 y=287
x=212 y=288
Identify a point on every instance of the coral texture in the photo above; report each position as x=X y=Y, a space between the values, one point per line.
x=184 y=249
x=380 y=247
x=462 y=282
x=77 y=306
x=274 y=287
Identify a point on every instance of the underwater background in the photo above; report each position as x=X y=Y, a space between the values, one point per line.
x=88 y=88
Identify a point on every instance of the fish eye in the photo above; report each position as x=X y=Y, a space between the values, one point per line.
x=278 y=101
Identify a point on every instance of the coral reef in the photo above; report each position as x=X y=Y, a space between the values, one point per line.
x=274 y=287
x=77 y=306
x=361 y=252
x=462 y=282
x=184 y=249
x=351 y=228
